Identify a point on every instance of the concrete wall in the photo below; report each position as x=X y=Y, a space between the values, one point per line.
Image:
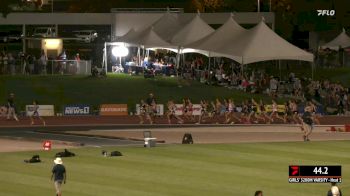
x=123 y=22
x=57 y=18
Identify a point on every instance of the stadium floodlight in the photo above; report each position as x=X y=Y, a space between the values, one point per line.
x=120 y=51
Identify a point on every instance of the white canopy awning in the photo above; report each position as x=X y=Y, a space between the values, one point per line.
x=341 y=41
x=261 y=44
x=150 y=39
x=221 y=37
x=195 y=30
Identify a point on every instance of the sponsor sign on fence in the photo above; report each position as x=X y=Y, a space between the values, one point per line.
x=114 y=110
x=280 y=108
x=160 y=109
x=196 y=109
x=43 y=110
x=78 y=110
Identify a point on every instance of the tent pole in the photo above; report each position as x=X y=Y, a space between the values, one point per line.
x=183 y=59
x=312 y=70
x=138 y=56
x=177 y=62
x=144 y=52
x=343 y=57
x=242 y=64
x=232 y=70
x=279 y=67
x=104 y=59
x=209 y=75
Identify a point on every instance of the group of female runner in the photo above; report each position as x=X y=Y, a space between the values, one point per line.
x=247 y=112
x=228 y=112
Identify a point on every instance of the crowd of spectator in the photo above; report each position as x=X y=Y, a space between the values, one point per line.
x=30 y=64
x=326 y=93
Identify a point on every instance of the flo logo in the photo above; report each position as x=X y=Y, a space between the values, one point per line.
x=325 y=12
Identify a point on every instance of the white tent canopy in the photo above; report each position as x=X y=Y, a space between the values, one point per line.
x=195 y=30
x=167 y=26
x=341 y=41
x=222 y=36
x=261 y=44
x=157 y=35
x=149 y=39
x=127 y=36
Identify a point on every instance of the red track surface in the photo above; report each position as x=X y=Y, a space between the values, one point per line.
x=129 y=120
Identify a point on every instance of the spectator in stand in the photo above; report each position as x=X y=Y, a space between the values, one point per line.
x=77 y=62
x=2 y=67
x=25 y=66
x=12 y=63
x=245 y=84
x=273 y=87
x=340 y=105
x=94 y=72
x=291 y=77
x=43 y=63
x=5 y=60
x=30 y=61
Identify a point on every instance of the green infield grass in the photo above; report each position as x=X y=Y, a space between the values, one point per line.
x=179 y=170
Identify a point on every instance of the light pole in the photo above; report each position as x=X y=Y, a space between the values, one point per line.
x=258 y=5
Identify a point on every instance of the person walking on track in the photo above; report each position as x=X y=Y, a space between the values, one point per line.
x=307 y=123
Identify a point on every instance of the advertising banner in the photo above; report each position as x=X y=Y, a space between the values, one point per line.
x=76 y=110
x=44 y=110
x=160 y=109
x=280 y=108
x=196 y=109
x=114 y=110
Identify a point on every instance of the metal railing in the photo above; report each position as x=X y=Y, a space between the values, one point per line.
x=50 y=67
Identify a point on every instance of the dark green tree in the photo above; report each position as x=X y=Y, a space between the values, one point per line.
x=5 y=8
